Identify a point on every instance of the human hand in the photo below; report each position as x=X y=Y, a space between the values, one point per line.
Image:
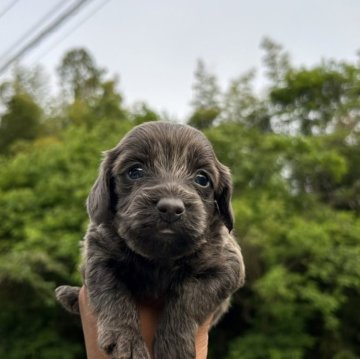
x=149 y=314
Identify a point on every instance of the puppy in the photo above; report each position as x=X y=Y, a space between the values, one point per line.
x=160 y=229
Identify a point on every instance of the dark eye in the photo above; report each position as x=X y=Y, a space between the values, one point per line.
x=202 y=179
x=135 y=172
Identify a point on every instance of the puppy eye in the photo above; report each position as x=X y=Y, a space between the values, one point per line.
x=135 y=172
x=202 y=179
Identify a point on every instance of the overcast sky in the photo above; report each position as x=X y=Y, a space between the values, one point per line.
x=154 y=45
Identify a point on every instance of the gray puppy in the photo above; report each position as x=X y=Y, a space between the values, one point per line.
x=160 y=229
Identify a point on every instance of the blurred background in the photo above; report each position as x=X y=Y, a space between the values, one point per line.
x=274 y=85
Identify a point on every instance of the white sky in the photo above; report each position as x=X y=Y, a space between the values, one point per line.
x=154 y=45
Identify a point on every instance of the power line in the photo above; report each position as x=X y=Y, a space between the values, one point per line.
x=35 y=27
x=72 y=30
x=8 y=8
x=46 y=32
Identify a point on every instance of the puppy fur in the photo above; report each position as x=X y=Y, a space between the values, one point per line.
x=160 y=228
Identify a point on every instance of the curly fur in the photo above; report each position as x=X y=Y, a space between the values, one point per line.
x=193 y=263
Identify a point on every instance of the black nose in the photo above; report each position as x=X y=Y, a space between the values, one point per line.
x=170 y=209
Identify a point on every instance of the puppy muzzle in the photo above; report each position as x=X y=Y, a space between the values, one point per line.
x=159 y=222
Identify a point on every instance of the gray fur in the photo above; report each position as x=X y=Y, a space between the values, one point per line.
x=129 y=253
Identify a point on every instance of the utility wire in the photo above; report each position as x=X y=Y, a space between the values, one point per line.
x=33 y=29
x=72 y=30
x=8 y=8
x=46 y=32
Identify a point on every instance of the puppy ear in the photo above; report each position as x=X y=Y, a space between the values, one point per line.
x=223 y=197
x=101 y=200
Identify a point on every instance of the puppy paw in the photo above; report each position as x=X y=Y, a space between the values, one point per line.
x=174 y=346
x=123 y=344
x=68 y=297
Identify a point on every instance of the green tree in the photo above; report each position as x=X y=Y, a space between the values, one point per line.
x=23 y=98
x=21 y=121
x=318 y=100
x=295 y=247
x=276 y=61
x=242 y=105
x=42 y=196
x=85 y=90
x=320 y=105
x=206 y=98
x=79 y=76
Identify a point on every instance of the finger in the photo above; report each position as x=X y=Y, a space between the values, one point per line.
x=202 y=339
x=89 y=328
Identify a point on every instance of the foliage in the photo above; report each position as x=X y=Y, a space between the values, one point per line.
x=206 y=98
x=43 y=215
x=79 y=76
x=294 y=152
x=21 y=121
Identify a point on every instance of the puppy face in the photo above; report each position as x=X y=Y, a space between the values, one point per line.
x=163 y=189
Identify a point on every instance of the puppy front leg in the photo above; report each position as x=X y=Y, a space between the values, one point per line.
x=183 y=313
x=193 y=302
x=117 y=318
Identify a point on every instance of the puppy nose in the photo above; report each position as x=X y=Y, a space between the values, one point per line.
x=170 y=209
